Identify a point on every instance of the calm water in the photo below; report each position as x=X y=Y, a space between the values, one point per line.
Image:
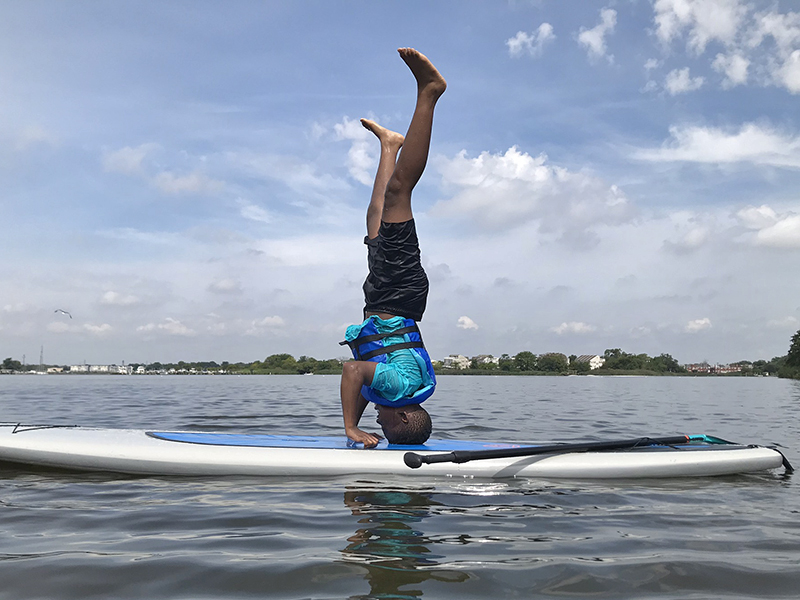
x=102 y=536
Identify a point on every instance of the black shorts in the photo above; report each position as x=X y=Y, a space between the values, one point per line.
x=396 y=283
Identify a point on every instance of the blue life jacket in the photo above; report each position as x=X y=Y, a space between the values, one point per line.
x=369 y=345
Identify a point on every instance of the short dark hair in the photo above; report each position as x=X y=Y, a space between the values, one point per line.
x=416 y=431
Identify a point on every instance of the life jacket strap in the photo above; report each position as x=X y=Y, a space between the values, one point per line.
x=359 y=341
x=379 y=336
x=388 y=349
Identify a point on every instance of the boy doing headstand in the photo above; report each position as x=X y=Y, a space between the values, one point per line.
x=392 y=368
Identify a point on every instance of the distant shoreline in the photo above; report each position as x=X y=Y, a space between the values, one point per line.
x=442 y=372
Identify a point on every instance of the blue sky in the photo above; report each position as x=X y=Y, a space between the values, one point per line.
x=189 y=179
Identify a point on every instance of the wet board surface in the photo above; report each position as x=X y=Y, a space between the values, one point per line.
x=322 y=442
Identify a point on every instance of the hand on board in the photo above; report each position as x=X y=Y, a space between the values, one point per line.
x=370 y=440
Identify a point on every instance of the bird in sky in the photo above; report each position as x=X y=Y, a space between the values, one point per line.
x=62 y=311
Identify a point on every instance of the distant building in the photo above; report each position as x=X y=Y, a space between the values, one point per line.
x=595 y=361
x=486 y=359
x=112 y=369
x=704 y=367
x=456 y=361
x=724 y=369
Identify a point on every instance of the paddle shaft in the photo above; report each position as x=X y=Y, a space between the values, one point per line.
x=414 y=460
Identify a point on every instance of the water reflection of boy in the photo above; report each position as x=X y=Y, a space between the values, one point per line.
x=391 y=546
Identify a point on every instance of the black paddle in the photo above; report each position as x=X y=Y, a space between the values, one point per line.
x=414 y=460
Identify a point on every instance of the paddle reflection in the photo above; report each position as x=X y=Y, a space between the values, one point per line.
x=390 y=544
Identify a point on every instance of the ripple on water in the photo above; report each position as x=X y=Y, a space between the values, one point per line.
x=101 y=536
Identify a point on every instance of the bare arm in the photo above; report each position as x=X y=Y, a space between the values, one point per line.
x=354 y=375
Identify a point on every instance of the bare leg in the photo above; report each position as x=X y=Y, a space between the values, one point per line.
x=412 y=160
x=391 y=142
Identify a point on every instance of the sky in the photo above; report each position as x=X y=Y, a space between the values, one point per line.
x=188 y=179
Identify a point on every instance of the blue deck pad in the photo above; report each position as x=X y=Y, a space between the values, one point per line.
x=325 y=442
x=262 y=440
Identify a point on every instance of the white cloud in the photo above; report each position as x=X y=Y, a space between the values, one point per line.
x=498 y=191
x=98 y=330
x=678 y=81
x=698 y=325
x=115 y=298
x=594 y=39
x=225 y=286
x=788 y=73
x=32 y=135
x=466 y=323
x=734 y=67
x=66 y=327
x=61 y=327
x=193 y=183
x=704 y=20
x=784 y=29
x=771 y=229
x=131 y=161
x=693 y=239
x=309 y=250
x=783 y=234
x=742 y=32
x=299 y=175
x=785 y=323
x=253 y=212
x=275 y=321
x=127 y=160
x=759 y=217
x=16 y=308
x=650 y=86
x=316 y=131
x=217 y=329
x=265 y=325
x=779 y=62
x=575 y=327
x=170 y=326
x=640 y=331
x=530 y=43
x=362 y=157
x=752 y=143
x=129 y=234
x=651 y=63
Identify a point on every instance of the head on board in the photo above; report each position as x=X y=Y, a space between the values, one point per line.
x=408 y=425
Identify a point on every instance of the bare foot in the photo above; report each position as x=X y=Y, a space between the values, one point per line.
x=429 y=80
x=386 y=136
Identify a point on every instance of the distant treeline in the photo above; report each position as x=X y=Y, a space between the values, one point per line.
x=287 y=364
x=276 y=364
x=556 y=363
x=616 y=362
x=791 y=362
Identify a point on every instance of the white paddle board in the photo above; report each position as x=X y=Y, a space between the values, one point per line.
x=141 y=452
